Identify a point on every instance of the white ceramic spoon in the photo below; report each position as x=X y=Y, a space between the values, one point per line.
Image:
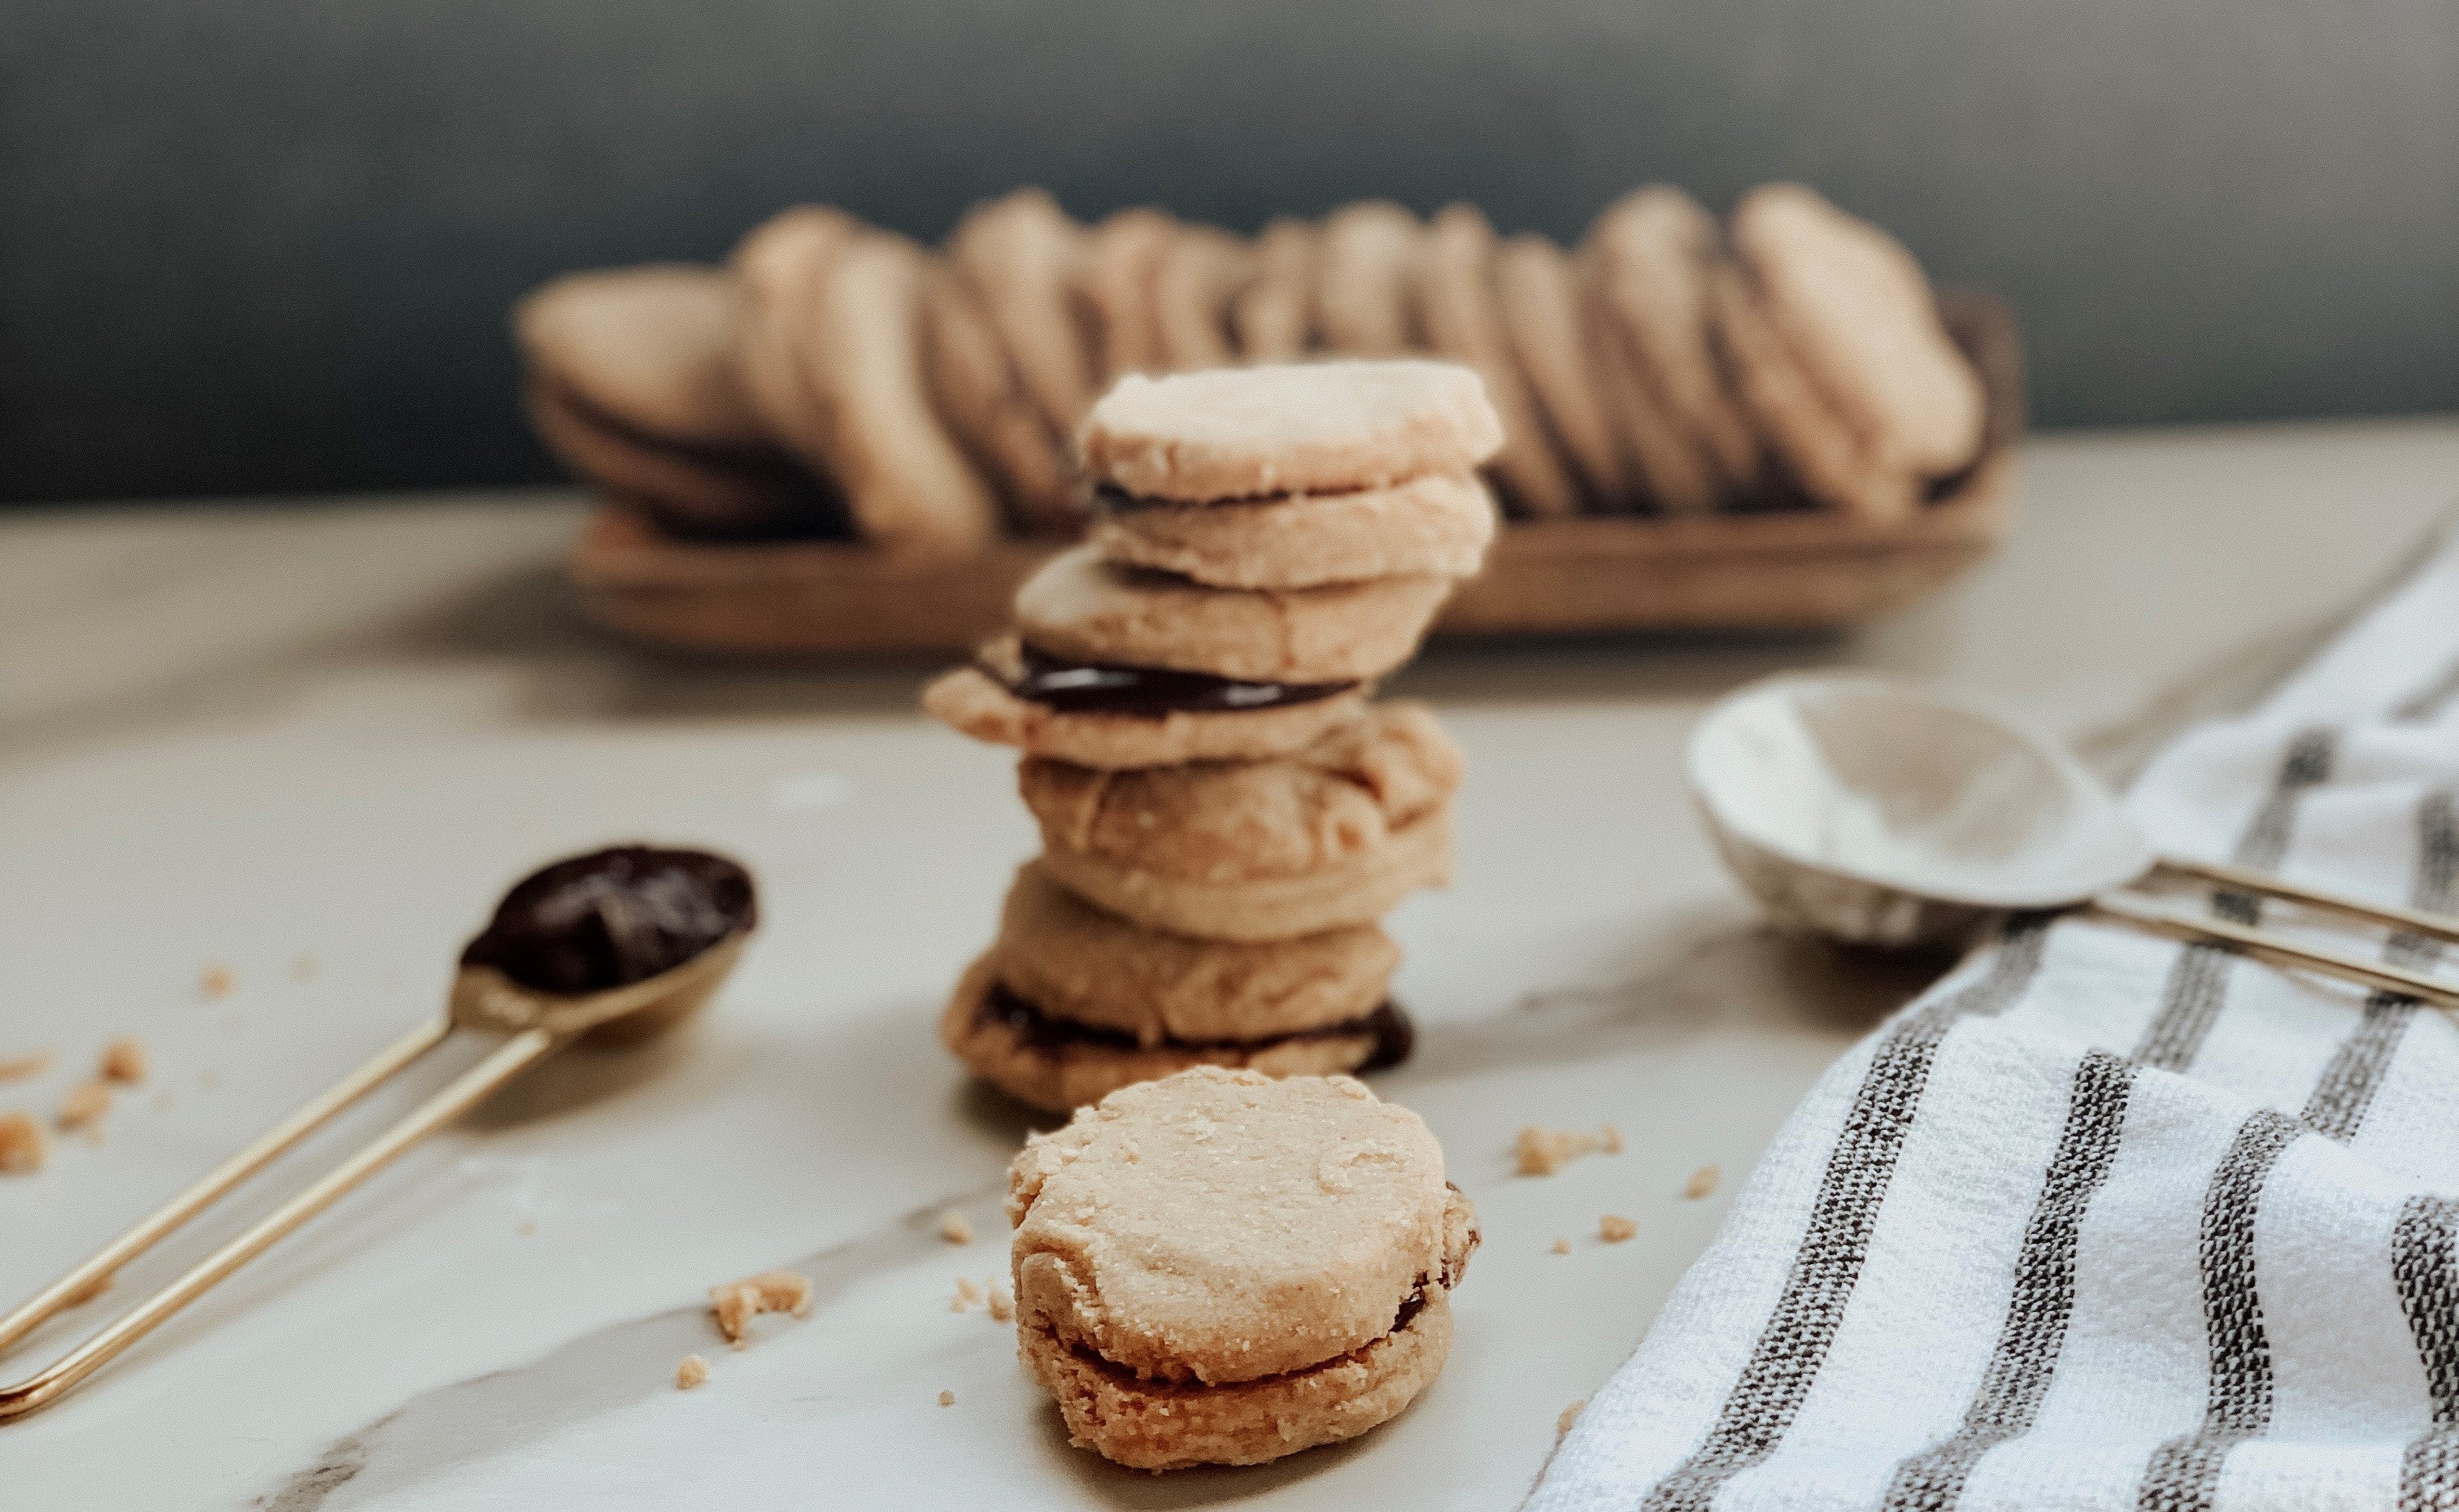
x=1882 y=812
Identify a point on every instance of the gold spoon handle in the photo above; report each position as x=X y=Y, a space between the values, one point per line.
x=2262 y=884
x=464 y=1092
x=2279 y=949
x=105 y=1262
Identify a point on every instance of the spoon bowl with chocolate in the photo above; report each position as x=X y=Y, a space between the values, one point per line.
x=616 y=945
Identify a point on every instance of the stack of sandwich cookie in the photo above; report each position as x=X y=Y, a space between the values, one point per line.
x=1223 y=1269
x=1224 y=816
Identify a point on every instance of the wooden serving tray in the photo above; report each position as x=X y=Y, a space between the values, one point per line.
x=1793 y=571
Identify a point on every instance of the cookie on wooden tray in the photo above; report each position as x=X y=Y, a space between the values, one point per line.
x=1116 y=287
x=1537 y=287
x=1120 y=718
x=1365 y=266
x=1272 y=318
x=1082 y=608
x=1652 y=250
x=1173 y=1328
x=907 y=483
x=650 y=348
x=777 y=268
x=1019 y=254
x=1439 y=523
x=1670 y=471
x=1202 y=270
x=1856 y=313
x=1299 y=427
x=1817 y=444
x=1461 y=313
x=688 y=490
x=984 y=404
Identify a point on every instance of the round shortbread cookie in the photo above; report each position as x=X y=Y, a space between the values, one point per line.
x=688 y=490
x=1075 y=962
x=1115 y=283
x=1538 y=290
x=986 y=405
x=777 y=267
x=1087 y=1066
x=1080 y=607
x=651 y=349
x=1817 y=443
x=1460 y=312
x=1856 y=312
x=1329 y=805
x=1437 y=524
x=1019 y=253
x=907 y=484
x=1163 y=1425
x=978 y=704
x=1366 y=259
x=1273 y=317
x=1202 y=270
x=1291 y=428
x=1361 y=888
x=1220 y=1227
x=1653 y=249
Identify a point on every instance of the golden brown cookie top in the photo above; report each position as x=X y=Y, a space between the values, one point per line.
x=1222 y=1226
x=1294 y=427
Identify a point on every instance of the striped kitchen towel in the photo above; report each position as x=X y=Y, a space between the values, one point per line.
x=2104 y=1221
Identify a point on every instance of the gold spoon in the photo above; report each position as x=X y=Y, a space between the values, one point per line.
x=587 y=928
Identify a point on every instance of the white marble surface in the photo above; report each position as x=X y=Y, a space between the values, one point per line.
x=245 y=737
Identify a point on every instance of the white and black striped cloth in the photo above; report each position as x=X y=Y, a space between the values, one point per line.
x=2104 y=1221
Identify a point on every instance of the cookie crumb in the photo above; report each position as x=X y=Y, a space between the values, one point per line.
x=947 y=1398
x=1702 y=1182
x=1002 y=1305
x=123 y=1061
x=1562 y=1247
x=1543 y=1151
x=693 y=1371
x=1614 y=1228
x=22 y=1146
x=19 y=1068
x=85 y=1107
x=953 y=1228
x=1569 y=1415
x=216 y=980
x=967 y=1295
x=736 y=1303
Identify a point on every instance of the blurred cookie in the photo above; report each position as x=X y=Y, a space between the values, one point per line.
x=1855 y=311
x=1273 y=317
x=907 y=485
x=1048 y=1063
x=1202 y=270
x=1018 y=255
x=1173 y=1327
x=777 y=268
x=1653 y=249
x=1116 y=286
x=1365 y=265
x=649 y=348
x=1460 y=314
x=1114 y=718
x=985 y=404
x=1298 y=428
x=1074 y=962
x=1538 y=291
x=688 y=490
x=1328 y=805
x=1081 y=608
x=1671 y=470
x=1439 y=523
x=1817 y=444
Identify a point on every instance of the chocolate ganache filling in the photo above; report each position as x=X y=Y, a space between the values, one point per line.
x=596 y=922
x=1394 y=1035
x=1093 y=688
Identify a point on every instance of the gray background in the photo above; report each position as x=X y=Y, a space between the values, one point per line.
x=259 y=245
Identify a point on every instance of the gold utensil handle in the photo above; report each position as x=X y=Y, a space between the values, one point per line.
x=2278 y=950
x=464 y=1092
x=105 y=1262
x=2262 y=884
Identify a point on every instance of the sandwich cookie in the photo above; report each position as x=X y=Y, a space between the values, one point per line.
x=1201 y=271
x=1272 y=318
x=777 y=268
x=1364 y=271
x=1461 y=313
x=1116 y=285
x=986 y=405
x=1302 y=428
x=1653 y=249
x=1436 y=524
x=1817 y=446
x=1018 y=255
x=1537 y=288
x=1218 y=1268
